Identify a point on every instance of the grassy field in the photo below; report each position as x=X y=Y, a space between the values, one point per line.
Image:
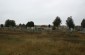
x=45 y=43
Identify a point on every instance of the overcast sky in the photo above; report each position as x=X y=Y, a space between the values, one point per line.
x=42 y=11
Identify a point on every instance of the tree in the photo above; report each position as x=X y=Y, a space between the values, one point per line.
x=10 y=23
x=70 y=22
x=49 y=25
x=30 y=24
x=2 y=25
x=22 y=25
x=57 y=22
x=83 y=23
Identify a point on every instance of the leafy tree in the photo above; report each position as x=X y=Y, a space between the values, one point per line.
x=2 y=25
x=22 y=25
x=49 y=25
x=30 y=24
x=10 y=23
x=83 y=23
x=70 y=22
x=57 y=22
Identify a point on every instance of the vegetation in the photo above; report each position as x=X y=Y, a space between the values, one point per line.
x=70 y=23
x=49 y=25
x=22 y=25
x=83 y=23
x=57 y=22
x=2 y=25
x=30 y=24
x=45 y=43
x=24 y=42
x=10 y=23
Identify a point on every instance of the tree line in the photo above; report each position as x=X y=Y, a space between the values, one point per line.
x=56 y=23
x=69 y=22
x=12 y=23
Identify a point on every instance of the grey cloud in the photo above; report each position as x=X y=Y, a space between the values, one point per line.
x=41 y=11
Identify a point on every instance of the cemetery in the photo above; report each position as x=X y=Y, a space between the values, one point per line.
x=42 y=27
x=31 y=39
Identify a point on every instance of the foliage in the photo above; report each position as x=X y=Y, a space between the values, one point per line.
x=2 y=25
x=57 y=22
x=49 y=25
x=70 y=22
x=22 y=25
x=10 y=23
x=83 y=23
x=30 y=24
